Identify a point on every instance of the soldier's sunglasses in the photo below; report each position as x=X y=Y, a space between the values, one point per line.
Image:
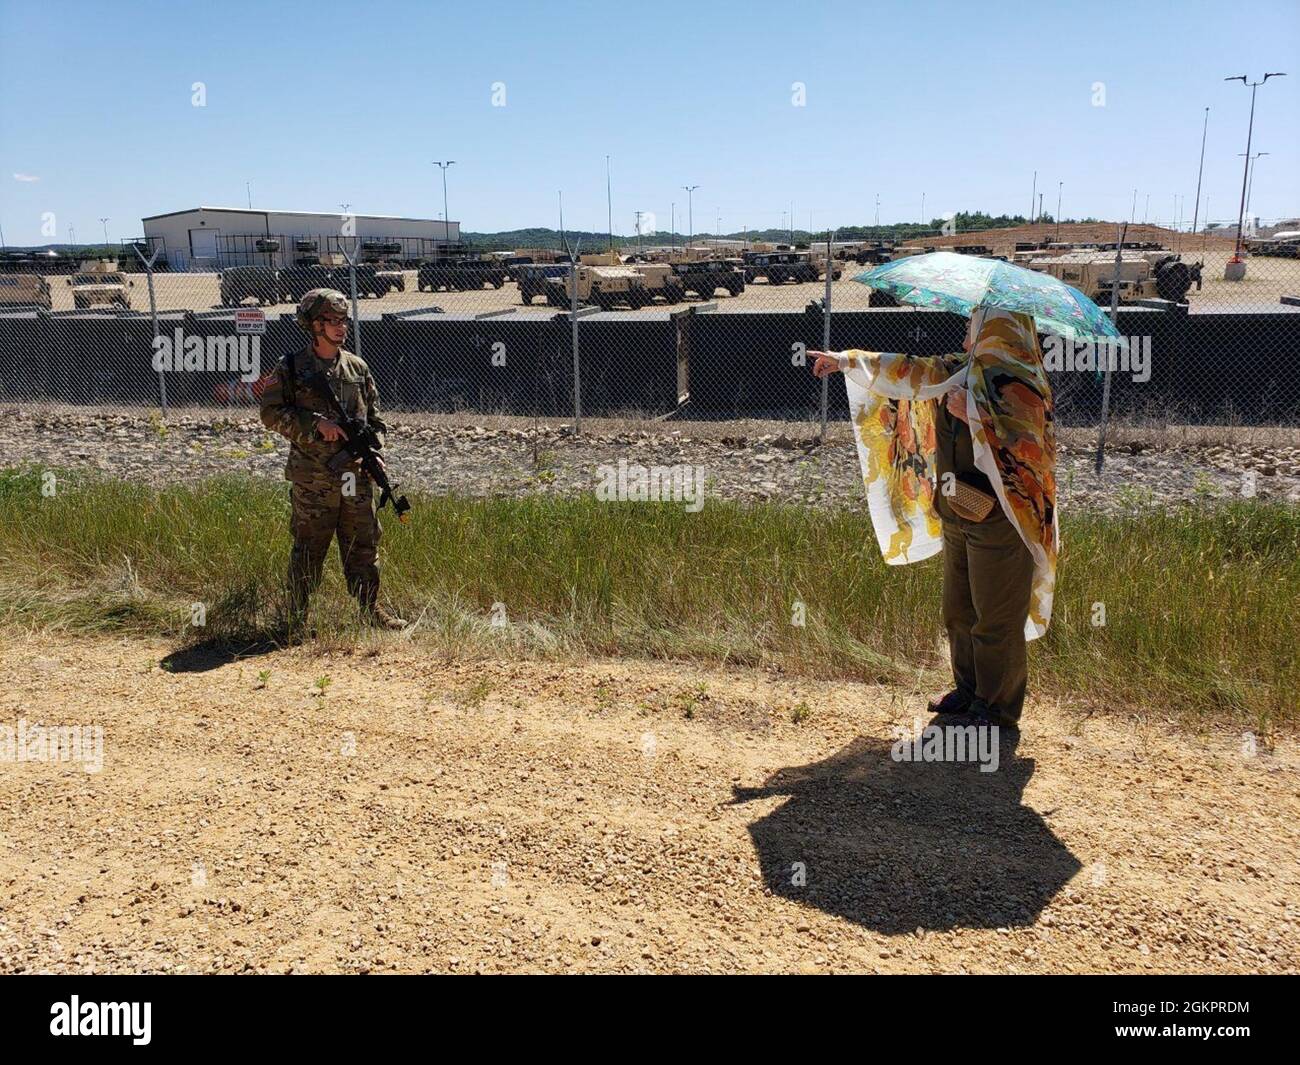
x=333 y=319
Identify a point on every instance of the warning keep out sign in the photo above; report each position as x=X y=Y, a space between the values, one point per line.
x=250 y=320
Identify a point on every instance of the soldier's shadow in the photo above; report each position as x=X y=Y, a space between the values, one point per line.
x=896 y=846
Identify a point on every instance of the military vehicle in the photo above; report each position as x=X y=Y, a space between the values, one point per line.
x=972 y=249
x=532 y=278
x=390 y=276
x=778 y=267
x=705 y=278
x=238 y=283
x=1142 y=275
x=880 y=252
x=297 y=281
x=24 y=290
x=662 y=280
x=100 y=282
x=1285 y=244
x=600 y=286
x=460 y=275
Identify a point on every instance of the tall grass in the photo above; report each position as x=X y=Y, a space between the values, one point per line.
x=1200 y=606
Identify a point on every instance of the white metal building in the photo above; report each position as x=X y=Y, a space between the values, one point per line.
x=211 y=237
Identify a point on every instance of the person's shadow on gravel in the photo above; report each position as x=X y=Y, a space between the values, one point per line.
x=898 y=845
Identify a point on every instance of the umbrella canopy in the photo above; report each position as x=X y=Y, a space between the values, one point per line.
x=947 y=281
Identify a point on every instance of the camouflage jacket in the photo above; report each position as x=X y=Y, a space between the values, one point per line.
x=293 y=403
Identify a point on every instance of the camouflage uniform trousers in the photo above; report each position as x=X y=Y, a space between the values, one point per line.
x=322 y=509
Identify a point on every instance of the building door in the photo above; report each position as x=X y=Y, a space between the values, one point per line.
x=203 y=248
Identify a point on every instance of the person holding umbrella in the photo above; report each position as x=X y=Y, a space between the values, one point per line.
x=958 y=453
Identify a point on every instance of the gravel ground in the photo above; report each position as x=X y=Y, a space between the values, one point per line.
x=415 y=814
x=740 y=460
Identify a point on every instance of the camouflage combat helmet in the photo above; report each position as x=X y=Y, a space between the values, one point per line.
x=318 y=300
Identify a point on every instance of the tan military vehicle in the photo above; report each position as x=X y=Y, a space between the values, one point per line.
x=1142 y=275
x=24 y=290
x=661 y=280
x=100 y=282
x=600 y=286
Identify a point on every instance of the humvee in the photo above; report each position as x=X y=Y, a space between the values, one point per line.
x=25 y=290
x=533 y=277
x=240 y=282
x=662 y=280
x=704 y=278
x=782 y=266
x=371 y=281
x=600 y=286
x=100 y=282
x=297 y=281
x=1142 y=275
x=460 y=275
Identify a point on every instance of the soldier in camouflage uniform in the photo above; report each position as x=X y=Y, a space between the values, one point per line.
x=326 y=503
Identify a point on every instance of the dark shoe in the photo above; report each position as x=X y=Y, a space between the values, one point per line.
x=382 y=619
x=983 y=714
x=954 y=702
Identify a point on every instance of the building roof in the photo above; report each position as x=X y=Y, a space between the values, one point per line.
x=264 y=211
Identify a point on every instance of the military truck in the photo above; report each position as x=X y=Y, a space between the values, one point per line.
x=1142 y=275
x=238 y=283
x=24 y=290
x=600 y=286
x=661 y=280
x=371 y=281
x=705 y=278
x=778 y=267
x=100 y=282
x=460 y=275
x=532 y=278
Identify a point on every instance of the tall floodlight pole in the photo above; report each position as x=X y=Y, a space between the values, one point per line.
x=609 y=204
x=1250 y=185
x=1133 y=212
x=672 y=225
x=923 y=210
x=1200 y=171
x=1033 y=197
x=1059 y=186
x=105 y=224
x=690 y=212
x=248 y=187
x=446 y=218
x=1250 y=130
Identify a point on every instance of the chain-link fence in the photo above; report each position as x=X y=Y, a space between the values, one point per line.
x=708 y=328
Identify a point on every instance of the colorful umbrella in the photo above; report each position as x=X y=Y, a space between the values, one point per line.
x=947 y=281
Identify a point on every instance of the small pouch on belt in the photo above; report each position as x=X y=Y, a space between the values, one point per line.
x=968 y=502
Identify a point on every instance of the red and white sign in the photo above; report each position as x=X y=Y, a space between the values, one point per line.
x=250 y=320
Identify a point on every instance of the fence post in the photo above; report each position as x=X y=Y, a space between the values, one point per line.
x=826 y=335
x=1114 y=318
x=153 y=316
x=577 y=362
x=352 y=273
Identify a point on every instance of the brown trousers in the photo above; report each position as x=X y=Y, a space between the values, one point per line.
x=987 y=580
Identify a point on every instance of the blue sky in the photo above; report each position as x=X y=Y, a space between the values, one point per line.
x=318 y=104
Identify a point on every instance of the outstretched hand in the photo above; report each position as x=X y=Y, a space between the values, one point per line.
x=823 y=364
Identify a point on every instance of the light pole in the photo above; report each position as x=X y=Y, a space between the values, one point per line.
x=446 y=218
x=672 y=225
x=248 y=187
x=1250 y=130
x=1059 y=185
x=1196 y=210
x=105 y=221
x=1033 y=198
x=923 y=210
x=690 y=211
x=1250 y=185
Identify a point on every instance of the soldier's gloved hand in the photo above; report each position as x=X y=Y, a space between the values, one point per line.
x=328 y=430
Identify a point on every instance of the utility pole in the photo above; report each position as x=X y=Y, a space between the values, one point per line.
x=1250 y=130
x=1033 y=197
x=923 y=210
x=609 y=205
x=446 y=217
x=1059 y=185
x=672 y=226
x=690 y=211
x=105 y=223
x=1132 y=215
x=1200 y=171
x=248 y=187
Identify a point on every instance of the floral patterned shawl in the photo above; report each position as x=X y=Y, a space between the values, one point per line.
x=892 y=398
